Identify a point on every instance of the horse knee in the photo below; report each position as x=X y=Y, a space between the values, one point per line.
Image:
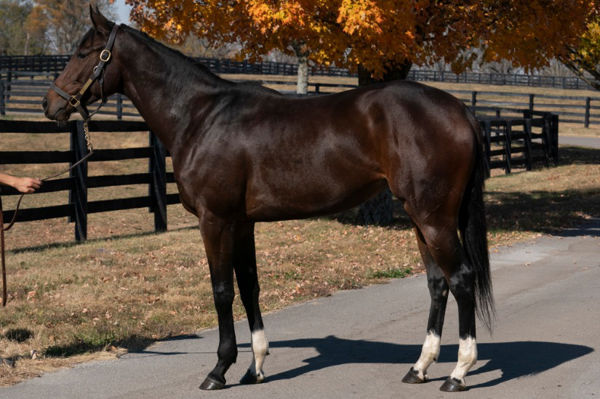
x=227 y=351
x=223 y=295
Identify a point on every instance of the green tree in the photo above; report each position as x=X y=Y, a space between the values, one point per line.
x=584 y=57
x=17 y=35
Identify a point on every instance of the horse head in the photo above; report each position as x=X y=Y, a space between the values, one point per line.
x=90 y=74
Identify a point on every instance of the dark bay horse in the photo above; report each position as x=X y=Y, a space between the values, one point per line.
x=244 y=154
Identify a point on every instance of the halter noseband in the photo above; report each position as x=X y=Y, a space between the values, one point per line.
x=97 y=74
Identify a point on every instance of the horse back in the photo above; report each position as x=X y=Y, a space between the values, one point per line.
x=269 y=157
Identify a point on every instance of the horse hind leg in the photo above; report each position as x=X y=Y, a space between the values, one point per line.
x=462 y=286
x=447 y=251
x=247 y=278
x=438 y=291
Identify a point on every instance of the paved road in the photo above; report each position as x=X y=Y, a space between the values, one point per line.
x=359 y=344
x=580 y=141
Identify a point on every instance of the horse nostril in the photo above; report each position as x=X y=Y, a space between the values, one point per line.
x=45 y=103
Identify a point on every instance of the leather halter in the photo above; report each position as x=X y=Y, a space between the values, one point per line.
x=97 y=74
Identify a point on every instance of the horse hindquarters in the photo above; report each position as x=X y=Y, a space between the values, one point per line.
x=461 y=267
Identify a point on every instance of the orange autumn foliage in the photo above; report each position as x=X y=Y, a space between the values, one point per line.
x=377 y=34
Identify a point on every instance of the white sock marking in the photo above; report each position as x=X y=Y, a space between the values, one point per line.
x=429 y=354
x=260 y=347
x=467 y=357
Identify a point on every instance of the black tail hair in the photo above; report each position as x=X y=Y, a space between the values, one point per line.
x=473 y=230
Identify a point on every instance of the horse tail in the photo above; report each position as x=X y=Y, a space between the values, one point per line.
x=473 y=230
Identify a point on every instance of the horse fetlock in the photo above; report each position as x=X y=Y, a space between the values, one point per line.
x=252 y=378
x=467 y=357
x=414 y=377
x=429 y=354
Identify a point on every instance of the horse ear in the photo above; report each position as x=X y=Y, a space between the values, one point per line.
x=100 y=22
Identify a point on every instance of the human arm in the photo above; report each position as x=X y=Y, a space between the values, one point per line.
x=22 y=184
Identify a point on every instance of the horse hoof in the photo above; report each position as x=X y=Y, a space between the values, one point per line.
x=453 y=385
x=211 y=384
x=412 y=377
x=250 y=378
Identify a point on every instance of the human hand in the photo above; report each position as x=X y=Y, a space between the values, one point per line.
x=26 y=184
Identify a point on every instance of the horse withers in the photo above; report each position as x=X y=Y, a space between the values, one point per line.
x=243 y=154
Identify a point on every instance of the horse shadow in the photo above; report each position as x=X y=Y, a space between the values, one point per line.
x=513 y=359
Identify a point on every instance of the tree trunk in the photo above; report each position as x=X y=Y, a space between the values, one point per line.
x=302 y=86
x=301 y=51
x=26 y=49
x=379 y=209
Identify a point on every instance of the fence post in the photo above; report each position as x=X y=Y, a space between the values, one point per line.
x=508 y=147
x=2 y=104
x=527 y=142
x=586 y=120
x=474 y=99
x=78 y=193
x=119 y=106
x=531 y=98
x=487 y=131
x=158 y=183
x=7 y=86
x=554 y=132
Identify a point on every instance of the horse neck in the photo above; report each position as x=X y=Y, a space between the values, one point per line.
x=167 y=89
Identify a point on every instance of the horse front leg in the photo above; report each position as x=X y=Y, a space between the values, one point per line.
x=218 y=236
x=247 y=278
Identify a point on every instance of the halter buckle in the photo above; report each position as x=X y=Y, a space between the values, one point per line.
x=74 y=102
x=105 y=55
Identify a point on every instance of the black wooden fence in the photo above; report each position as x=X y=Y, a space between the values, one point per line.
x=501 y=79
x=56 y=63
x=571 y=109
x=33 y=63
x=78 y=182
x=512 y=142
x=509 y=142
x=23 y=93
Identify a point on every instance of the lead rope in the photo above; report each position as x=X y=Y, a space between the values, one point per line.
x=90 y=149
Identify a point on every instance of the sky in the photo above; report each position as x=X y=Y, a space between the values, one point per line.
x=121 y=11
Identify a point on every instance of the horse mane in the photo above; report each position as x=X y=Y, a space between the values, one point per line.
x=248 y=87
x=175 y=53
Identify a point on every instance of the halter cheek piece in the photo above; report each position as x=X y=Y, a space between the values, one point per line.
x=97 y=74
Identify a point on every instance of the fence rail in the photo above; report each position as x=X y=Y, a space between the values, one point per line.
x=78 y=182
x=502 y=79
x=519 y=141
x=23 y=93
x=571 y=109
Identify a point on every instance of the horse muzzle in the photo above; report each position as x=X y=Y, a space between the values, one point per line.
x=56 y=109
